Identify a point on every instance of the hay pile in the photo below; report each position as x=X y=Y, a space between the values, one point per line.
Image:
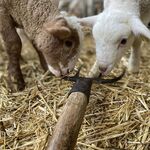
x=117 y=117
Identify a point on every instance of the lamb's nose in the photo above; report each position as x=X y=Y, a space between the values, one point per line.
x=102 y=69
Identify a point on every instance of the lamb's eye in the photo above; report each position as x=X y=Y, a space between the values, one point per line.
x=68 y=43
x=123 y=41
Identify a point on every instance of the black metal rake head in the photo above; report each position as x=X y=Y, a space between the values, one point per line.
x=97 y=80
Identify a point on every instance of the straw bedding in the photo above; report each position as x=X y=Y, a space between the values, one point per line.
x=117 y=117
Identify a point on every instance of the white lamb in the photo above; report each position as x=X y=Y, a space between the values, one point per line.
x=120 y=26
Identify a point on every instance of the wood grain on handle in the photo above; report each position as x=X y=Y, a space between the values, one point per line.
x=67 y=128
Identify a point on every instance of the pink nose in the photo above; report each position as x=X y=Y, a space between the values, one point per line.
x=102 y=69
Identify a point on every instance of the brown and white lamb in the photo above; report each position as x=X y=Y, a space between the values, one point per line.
x=56 y=37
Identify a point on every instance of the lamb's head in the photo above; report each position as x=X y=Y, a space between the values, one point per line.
x=60 y=42
x=114 y=34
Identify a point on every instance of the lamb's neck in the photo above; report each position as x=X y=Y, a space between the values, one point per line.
x=125 y=6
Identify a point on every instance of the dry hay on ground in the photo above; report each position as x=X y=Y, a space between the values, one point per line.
x=117 y=117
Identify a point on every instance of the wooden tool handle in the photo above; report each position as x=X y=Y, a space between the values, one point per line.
x=67 y=129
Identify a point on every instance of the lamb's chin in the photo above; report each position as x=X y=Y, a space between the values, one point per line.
x=57 y=73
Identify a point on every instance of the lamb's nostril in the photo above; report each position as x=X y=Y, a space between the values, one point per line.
x=149 y=25
x=68 y=70
x=102 y=69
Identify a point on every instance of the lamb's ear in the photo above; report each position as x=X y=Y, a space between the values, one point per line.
x=58 y=28
x=88 y=21
x=60 y=32
x=139 y=29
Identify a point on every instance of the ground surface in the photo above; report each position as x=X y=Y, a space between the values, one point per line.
x=117 y=117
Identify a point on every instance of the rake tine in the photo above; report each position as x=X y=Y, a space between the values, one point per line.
x=97 y=80
x=78 y=72
x=103 y=81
